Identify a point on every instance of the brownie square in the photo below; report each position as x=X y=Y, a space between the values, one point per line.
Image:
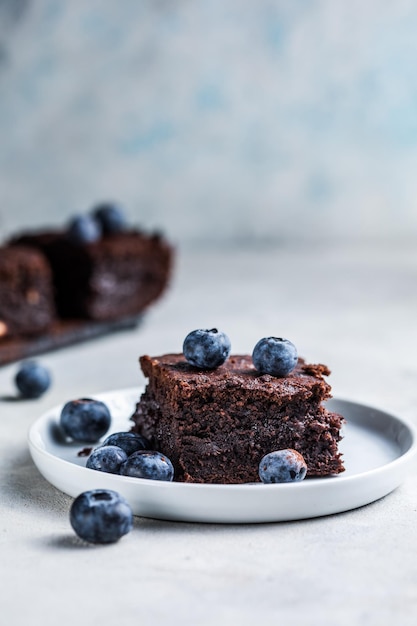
x=215 y=426
x=26 y=292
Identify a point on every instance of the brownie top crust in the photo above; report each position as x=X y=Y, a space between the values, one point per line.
x=238 y=372
x=126 y=243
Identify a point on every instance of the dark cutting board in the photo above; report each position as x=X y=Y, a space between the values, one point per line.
x=63 y=333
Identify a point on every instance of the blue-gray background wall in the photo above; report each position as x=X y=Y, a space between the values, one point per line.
x=218 y=120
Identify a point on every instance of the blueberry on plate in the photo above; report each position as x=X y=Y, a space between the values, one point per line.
x=32 y=379
x=83 y=229
x=101 y=516
x=107 y=459
x=85 y=419
x=275 y=356
x=148 y=464
x=206 y=349
x=110 y=217
x=128 y=441
x=282 y=466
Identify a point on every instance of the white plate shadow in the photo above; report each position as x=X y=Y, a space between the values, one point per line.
x=378 y=449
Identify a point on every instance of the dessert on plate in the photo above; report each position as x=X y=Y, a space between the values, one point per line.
x=216 y=424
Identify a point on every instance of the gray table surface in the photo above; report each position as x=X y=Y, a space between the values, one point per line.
x=352 y=308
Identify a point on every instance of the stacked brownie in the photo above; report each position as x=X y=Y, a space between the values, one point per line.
x=215 y=426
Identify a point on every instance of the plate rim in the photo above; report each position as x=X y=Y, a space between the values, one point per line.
x=309 y=483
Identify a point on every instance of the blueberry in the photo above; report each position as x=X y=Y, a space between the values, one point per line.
x=148 y=464
x=101 y=516
x=128 y=441
x=85 y=419
x=275 y=356
x=206 y=349
x=106 y=459
x=111 y=218
x=282 y=466
x=83 y=229
x=32 y=379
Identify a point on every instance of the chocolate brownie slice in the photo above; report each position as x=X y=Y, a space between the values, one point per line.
x=26 y=292
x=215 y=426
x=118 y=275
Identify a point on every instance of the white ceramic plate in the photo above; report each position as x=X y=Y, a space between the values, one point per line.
x=378 y=449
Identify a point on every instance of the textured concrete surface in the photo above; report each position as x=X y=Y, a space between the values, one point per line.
x=352 y=308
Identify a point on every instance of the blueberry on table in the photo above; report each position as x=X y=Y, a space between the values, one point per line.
x=282 y=466
x=83 y=229
x=85 y=419
x=148 y=464
x=101 y=516
x=206 y=349
x=111 y=218
x=275 y=356
x=32 y=379
x=107 y=459
x=128 y=441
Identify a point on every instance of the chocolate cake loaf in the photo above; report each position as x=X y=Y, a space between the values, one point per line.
x=118 y=275
x=215 y=426
x=26 y=294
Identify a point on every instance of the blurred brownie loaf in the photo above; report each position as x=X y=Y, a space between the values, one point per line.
x=96 y=275
x=117 y=275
